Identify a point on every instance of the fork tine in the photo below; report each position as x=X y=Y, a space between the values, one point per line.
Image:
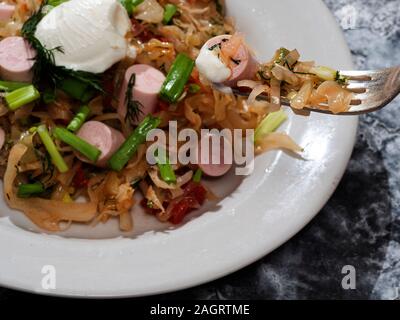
x=358 y=87
x=360 y=75
x=372 y=91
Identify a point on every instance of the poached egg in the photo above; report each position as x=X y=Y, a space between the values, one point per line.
x=91 y=33
x=209 y=65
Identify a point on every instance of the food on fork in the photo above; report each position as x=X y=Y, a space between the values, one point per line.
x=226 y=59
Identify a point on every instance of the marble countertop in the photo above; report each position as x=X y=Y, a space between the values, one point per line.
x=366 y=205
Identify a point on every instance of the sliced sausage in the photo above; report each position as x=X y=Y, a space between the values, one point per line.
x=16 y=59
x=6 y=11
x=105 y=138
x=210 y=168
x=148 y=82
x=2 y=137
x=244 y=63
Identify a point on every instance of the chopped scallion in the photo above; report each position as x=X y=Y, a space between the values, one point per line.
x=324 y=73
x=80 y=145
x=270 y=123
x=130 y=5
x=11 y=85
x=169 y=12
x=77 y=89
x=27 y=190
x=51 y=148
x=121 y=157
x=21 y=97
x=177 y=78
x=197 y=175
x=328 y=74
x=166 y=171
x=79 y=119
x=127 y=4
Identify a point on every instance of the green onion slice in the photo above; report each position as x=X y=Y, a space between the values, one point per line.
x=80 y=145
x=51 y=148
x=121 y=157
x=270 y=123
x=21 y=97
x=177 y=78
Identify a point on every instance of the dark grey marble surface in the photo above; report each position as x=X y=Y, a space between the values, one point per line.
x=360 y=225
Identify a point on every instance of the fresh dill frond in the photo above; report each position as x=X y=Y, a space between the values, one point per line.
x=48 y=168
x=134 y=107
x=219 y=7
x=45 y=72
x=44 y=59
x=30 y=25
x=342 y=80
x=281 y=56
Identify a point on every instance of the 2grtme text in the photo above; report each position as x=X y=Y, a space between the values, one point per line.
x=197 y=309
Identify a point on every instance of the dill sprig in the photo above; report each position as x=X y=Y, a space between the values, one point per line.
x=48 y=168
x=219 y=7
x=340 y=79
x=134 y=107
x=44 y=59
x=45 y=72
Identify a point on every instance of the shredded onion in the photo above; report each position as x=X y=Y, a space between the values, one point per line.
x=256 y=92
x=284 y=74
x=46 y=214
x=292 y=57
x=277 y=140
x=149 y=11
x=180 y=181
x=302 y=97
x=59 y=111
x=125 y=221
x=152 y=196
x=248 y=83
x=339 y=99
x=275 y=91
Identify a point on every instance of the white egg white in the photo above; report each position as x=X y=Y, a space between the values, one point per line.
x=211 y=67
x=91 y=33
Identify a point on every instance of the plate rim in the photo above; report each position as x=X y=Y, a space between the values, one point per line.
x=226 y=271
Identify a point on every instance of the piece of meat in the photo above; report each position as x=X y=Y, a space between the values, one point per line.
x=211 y=168
x=243 y=64
x=148 y=82
x=16 y=59
x=6 y=11
x=105 y=138
x=2 y=138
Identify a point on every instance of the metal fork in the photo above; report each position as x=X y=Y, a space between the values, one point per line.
x=373 y=90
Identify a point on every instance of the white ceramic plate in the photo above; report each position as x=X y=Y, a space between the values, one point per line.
x=260 y=212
